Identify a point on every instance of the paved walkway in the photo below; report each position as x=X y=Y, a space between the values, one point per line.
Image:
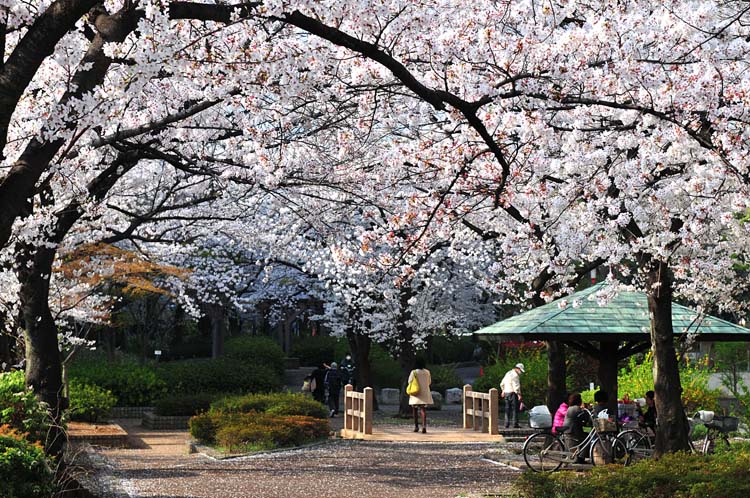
x=161 y=467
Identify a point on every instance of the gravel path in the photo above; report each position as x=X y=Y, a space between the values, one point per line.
x=338 y=469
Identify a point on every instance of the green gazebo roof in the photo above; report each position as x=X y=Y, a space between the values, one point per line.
x=580 y=317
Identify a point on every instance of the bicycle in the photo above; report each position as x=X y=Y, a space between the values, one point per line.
x=639 y=444
x=547 y=452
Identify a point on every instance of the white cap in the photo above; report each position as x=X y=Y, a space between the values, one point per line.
x=520 y=367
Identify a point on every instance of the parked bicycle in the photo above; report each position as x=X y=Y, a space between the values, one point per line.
x=547 y=452
x=639 y=443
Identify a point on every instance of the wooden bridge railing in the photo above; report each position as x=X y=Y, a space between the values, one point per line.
x=481 y=410
x=358 y=410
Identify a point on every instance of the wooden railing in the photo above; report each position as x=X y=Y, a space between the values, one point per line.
x=481 y=410
x=357 y=410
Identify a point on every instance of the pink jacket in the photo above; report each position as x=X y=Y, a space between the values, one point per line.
x=559 y=417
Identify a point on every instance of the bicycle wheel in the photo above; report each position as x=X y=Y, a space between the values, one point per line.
x=543 y=452
x=637 y=446
x=608 y=449
x=709 y=441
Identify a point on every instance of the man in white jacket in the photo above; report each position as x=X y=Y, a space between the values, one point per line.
x=510 y=387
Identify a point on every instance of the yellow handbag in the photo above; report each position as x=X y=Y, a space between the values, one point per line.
x=413 y=388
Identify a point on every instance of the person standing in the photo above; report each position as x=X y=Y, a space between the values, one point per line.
x=319 y=375
x=333 y=386
x=424 y=395
x=347 y=371
x=648 y=419
x=510 y=387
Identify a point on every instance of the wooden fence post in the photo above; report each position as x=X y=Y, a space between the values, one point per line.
x=468 y=423
x=368 y=410
x=348 y=408
x=494 y=411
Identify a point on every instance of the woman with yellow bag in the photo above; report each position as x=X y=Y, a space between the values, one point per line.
x=418 y=389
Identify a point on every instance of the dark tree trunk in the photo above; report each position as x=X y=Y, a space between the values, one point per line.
x=360 y=345
x=556 y=373
x=43 y=360
x=216 y=317
x=672 y=425
x=607 y=374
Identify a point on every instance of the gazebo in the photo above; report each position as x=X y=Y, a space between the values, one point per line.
x=607 y=333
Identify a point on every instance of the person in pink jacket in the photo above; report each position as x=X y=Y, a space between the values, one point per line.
x=559 y=417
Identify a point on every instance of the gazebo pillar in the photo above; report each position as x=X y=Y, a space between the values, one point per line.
x=607 y=373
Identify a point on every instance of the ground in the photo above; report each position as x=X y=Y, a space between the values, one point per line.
x=161 y=467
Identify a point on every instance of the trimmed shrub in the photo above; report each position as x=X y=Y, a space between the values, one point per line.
x=90 y=403
x=257 y=351
x=203 y=428
x=312 y=351
x=183 y=405
x=20 y=409
x=276 y=404
x=444 y=378
x=24 y=469
x=674 y=475
x=132 y=384
x=252 y=430
x=219 y=375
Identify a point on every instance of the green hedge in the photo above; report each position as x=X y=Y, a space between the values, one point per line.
x=312 y=351
x=674 y=475
x=258 y=351
x=450 y=349
x=443 y=378
x=386 y=371
x=219 y=375
x=90 y=403
x=184 y=405
x=131 y=383
x=275 y=403
x=24 y=469
x=20 y=409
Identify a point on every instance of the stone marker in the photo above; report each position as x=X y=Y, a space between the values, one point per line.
x=454 y=396
x=437 y=401
x=389 y=396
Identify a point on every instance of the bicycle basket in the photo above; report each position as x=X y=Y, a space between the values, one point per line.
x=605 y=425
x=725 y=424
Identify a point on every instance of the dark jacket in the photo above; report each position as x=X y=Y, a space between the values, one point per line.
x=333 y=380
x=574 y=420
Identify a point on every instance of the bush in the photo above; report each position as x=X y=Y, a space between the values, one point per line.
x=680 y=475
x=191 y=347
x=386 y=371
x=451 y=349
x=184 y=405
x=24 y=470
x=444 y=378
x=215 y=376
x=636 y=379
x=312 y=351
x=533 y=382
x=89 y=403
x=132 y=384
x=20 y=409
x=257 y=430
x=203 y=428
x=276 y=404
x=258 y=351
